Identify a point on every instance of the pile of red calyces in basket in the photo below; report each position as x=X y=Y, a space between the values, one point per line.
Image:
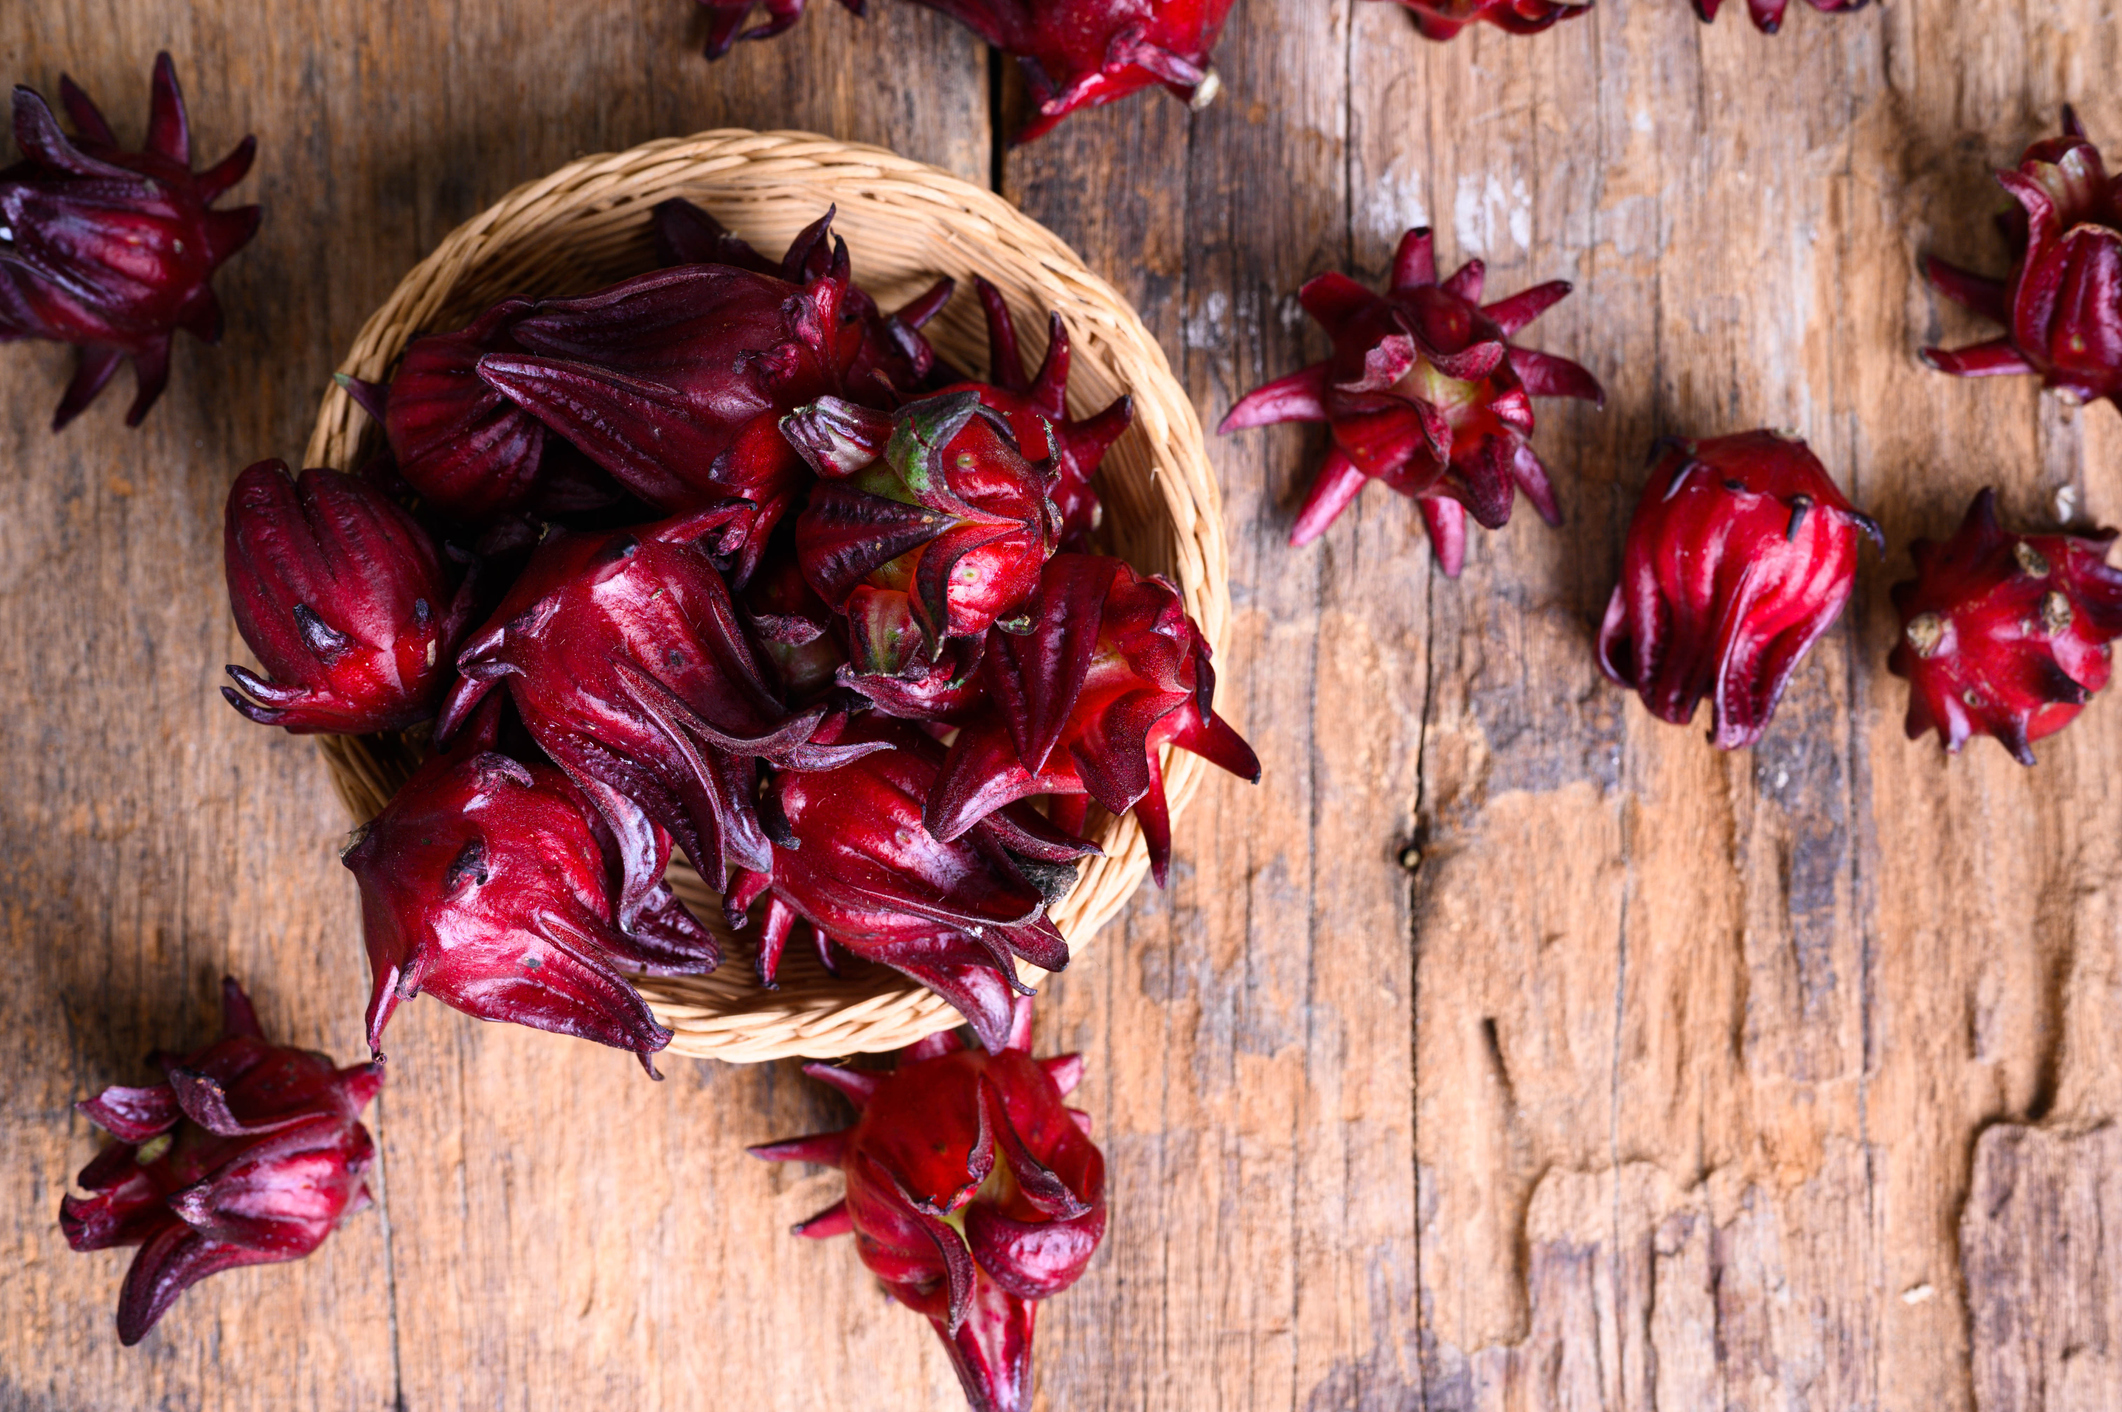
x=724 y=559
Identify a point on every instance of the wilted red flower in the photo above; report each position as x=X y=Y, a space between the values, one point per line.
x=1441 y=19
x=493 y=885
x=1424 y=393
x=1740 y=555
x=1111 y=670
x=936 y=502
x=2006 y=634
x=726 y=17
x=1081 y=53
x=343 y=598
x=249 y=1154
x=625 y=657
x=973 y=1192
x=895 y=361
x=852 y=859
x=674 y=382
x=1037 y=409
x=2062 y=306
x=114 y=251
x=1768 y=14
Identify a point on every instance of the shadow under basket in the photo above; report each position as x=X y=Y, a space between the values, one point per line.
x=586 y=226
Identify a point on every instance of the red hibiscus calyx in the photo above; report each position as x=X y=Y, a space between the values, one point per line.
x=248 y=1153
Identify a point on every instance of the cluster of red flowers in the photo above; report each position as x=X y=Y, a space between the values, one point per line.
x=1743 y=551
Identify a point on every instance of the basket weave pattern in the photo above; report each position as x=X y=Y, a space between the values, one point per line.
x=587 y=225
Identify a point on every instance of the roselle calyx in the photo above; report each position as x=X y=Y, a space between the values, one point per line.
x=851 y=858
x=1741 y=553
x=973 y=1192
x=674 y=382
x=343 y=598
x=1767 y=15
x=114 y=251
x=893 y=361
x=493 y=885
x=936 y=503
x=1424 y=392
x=471 y=455
x=1111 y=670
x=2005 y=634
x=247 y=1154
x=1036 y=405
x=1442 y=19
x=2062 y=304
x=625 y=657
x=1082 y=53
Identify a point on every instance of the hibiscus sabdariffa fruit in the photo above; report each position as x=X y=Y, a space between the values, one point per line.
x=725 y=20
x=1767 y=15
x=2005 y=634
x=114 y=251
x=343 y=597
x=1741 y=553
x=973 y=1192
x=1424 y=392
x=247 y=1154
x=2062 y=304
x=1442 y=19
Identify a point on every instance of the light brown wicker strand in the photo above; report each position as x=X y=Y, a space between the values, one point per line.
x=586 y=225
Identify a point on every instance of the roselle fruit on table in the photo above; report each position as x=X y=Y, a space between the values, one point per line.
x=343 y=597
x=1442 y=19
x=2005 y=634
x=1111 y=669
x=1424 y=392
x=973 y=1193
x=246 y=1154
x=1767 y=15
x=851 y=858
x=2062 y=304
x=1081 y=53
x=114 y=251
x=1741 y=553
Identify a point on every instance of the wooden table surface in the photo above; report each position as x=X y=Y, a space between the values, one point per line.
x=1665 y=1078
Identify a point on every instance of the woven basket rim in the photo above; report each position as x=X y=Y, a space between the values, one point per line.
x=747 y=178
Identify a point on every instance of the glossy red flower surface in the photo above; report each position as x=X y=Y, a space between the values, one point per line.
x=1442 y=19
x=1424 y=392
x=725 y=20
x=342 y=596
x=851 y=858
x=894 y=362
x=1767 y=15
x=1741 y=553
x=247 y=1154
x=936 y=503
x=2062 y=304
x=1111 y=670
x=494 y=886
x=114 y=251
x=470 y=454
x=674 y=383
x=626 y=659
x=1081 y=53
x=973 y=1192
x=2005 y=634
x=1036 y=405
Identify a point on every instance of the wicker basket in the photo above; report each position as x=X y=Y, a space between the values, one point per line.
x=585 y=226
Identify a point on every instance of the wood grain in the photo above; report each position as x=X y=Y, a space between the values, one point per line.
x=1665 y=1079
